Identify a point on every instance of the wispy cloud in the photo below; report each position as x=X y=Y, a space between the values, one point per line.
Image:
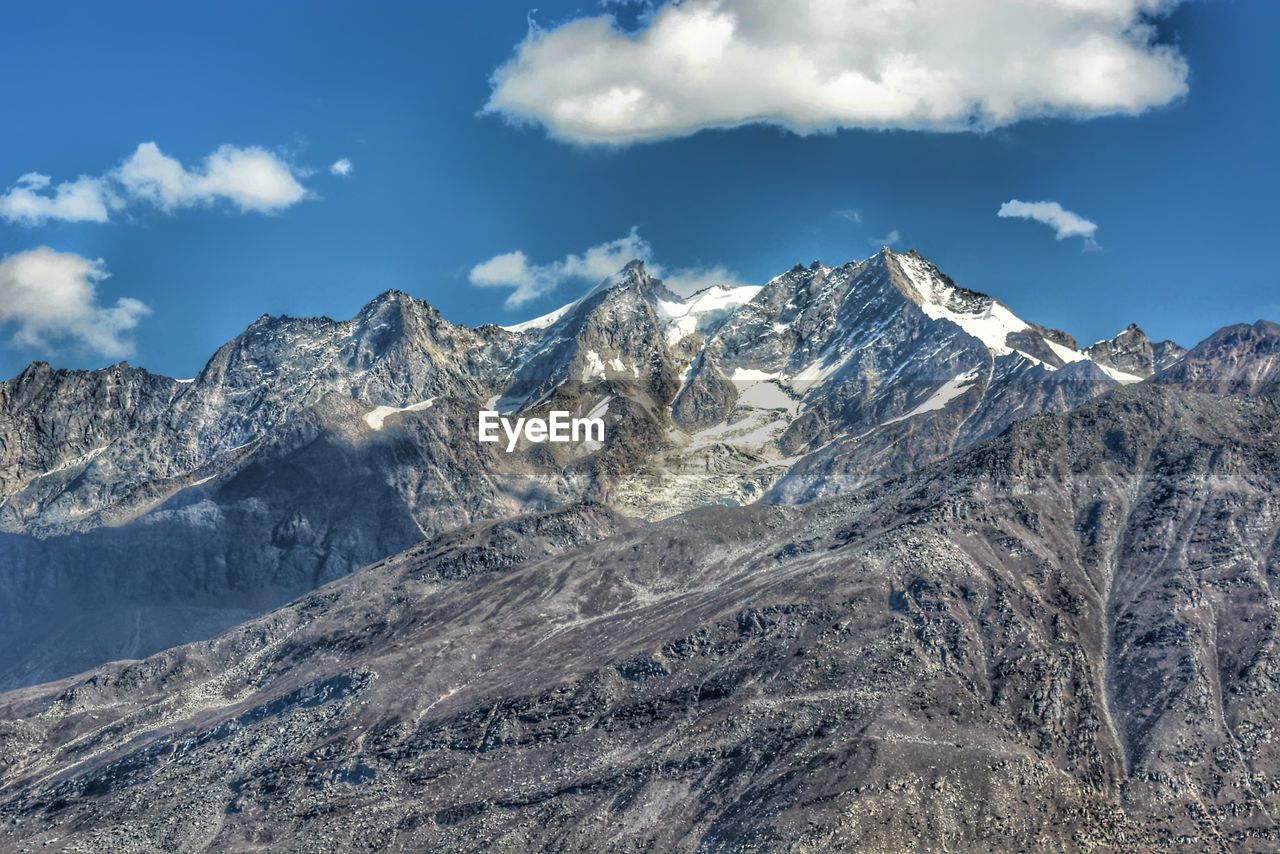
x=341 y=168
x=690 y=280
x=814 y=65
x=51 y=298
x=249 y=178
x=528 y=280
x=890 y=239
x=853 y=216
x=1063 y=222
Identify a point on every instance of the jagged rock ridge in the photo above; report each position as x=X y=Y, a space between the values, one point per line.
x=1133 y=352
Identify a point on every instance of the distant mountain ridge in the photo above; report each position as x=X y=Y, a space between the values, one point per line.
x=1239 y=359
x=308 y=447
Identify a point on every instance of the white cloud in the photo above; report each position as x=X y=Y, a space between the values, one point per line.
x=82 y=200
x=51 y=297
x=816 y=65
x=34 y=181
x=850 y=214
x=1063 y=222
x=341 y=168
x=529 y=281
x=513 y=270
x=889 y=239
x=252 y=179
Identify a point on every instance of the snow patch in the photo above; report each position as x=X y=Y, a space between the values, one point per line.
x=1033 y=360
x=753 y=432
x=541 y=322
x=768 y=395
x=746 y=375
x=83 y=459
x=1119 y=376
x=949 y=391
x=506 y=405
x=817 y=371
x=594 y=368
x=1066 y=354
x=379 y=414
x=600 y=409
x=702 y=309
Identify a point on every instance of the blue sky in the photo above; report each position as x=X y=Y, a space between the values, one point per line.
x=1182 y=194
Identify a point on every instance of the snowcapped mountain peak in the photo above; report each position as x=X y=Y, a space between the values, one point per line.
x=634 y=267
x=939 y=297
x=1004 y=333
x=633 y=281
x=388 y=296
x=632 y=276
x=394 y=303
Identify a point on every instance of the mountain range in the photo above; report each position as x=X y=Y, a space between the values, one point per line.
x=863 y=558
x=1062 y=637
x=139 y=511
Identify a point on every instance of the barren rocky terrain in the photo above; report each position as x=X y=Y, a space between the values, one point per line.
x=1062 y=638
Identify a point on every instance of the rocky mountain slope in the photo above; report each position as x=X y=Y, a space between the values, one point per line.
x=1133 y=352
x=1239 y=359
x=1063 y=637
x=139 y=511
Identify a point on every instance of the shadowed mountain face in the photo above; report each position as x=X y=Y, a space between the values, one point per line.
x=1063 y=637
x=139 y=511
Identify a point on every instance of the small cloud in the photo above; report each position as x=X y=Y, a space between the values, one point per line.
x=251 y=178
x=890 y=239
x=82 y=200
x=512 y=270
x=529 y=281
x=1063 y=222
x=849 y=214
x=51 y=297
x=342 y=168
